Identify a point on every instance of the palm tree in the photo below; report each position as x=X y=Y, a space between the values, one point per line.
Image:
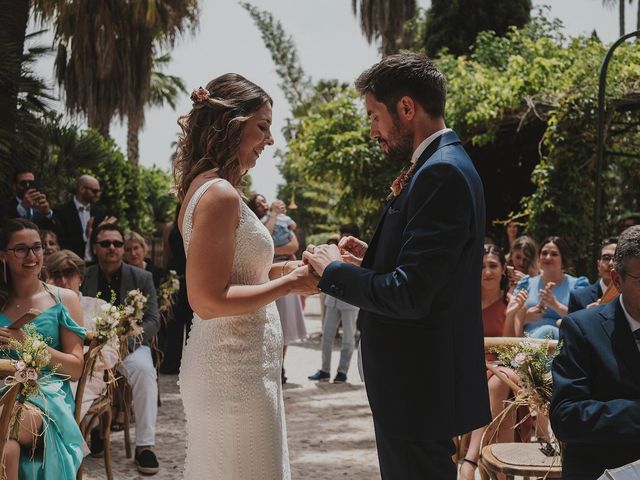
x=384 y=19
x=621 y=12
x=105 y=54
x=164 y=89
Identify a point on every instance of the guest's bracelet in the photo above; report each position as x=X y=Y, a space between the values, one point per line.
x=284 y=266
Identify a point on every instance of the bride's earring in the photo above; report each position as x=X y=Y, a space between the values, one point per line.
x=4 y=271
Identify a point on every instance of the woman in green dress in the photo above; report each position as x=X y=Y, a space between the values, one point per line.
x=53 y=430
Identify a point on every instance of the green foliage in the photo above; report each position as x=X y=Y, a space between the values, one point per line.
x=157 y=193
x=337 y=174
x=533 y=74
x=294 y=83
x=332 y=147
x=123 y=189
x=454 y=24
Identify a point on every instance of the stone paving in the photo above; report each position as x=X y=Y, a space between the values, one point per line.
x=329 y=426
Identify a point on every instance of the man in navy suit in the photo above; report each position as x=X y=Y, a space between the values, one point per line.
x=596 y=376
x=28 y=202
x=418 y=285
x=589 y=296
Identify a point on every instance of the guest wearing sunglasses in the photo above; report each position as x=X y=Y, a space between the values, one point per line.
x=590 y=295
x=75 y=219
x=112 y=278
x=27 y=202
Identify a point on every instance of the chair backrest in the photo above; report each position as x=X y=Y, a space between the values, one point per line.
x=90 y=358
x=7 y=402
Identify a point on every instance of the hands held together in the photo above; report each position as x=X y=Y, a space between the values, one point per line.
x=349 y=250
x=307 y=272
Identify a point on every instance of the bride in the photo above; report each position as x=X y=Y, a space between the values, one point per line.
x=230 y=373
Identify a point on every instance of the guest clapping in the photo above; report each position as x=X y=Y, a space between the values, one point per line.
x=547 y=293
x=523 y=260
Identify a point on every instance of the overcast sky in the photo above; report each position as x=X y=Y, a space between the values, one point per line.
x=329 y=43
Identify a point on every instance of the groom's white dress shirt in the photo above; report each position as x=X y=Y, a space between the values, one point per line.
x=426 y=142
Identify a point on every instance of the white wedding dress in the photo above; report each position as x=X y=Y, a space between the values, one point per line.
x=230 y=373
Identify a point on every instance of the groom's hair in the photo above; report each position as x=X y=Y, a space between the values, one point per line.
x=406 y=74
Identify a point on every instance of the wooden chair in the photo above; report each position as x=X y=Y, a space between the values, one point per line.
x=7 y=403
x=100 y=409
x=514 y=459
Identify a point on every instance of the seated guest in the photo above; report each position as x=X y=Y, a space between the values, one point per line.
x=595 y=408
x=49 y=242
x=49 y=427
x=112 y=276
x=65 y=269
x=75 y=219
x=523 y=260
x=495 y=285
x=28 y=202
x=589 y=296
x=135 y=253
x=547 y=293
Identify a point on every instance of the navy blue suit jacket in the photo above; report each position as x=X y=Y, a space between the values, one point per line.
x=418 y=290
x=580 y=298
x=596 y=392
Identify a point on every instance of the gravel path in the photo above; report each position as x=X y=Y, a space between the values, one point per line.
x=329 y=426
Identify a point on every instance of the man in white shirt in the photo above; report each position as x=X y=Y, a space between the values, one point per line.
x=75 y=219
x=595 y=409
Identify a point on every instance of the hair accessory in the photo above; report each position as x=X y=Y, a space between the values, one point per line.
x=200 y=95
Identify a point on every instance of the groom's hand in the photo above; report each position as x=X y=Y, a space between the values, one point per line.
x=321 y=256
x=352 y=250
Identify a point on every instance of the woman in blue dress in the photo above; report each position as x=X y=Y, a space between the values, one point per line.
x=548 y=293
x=53 y=430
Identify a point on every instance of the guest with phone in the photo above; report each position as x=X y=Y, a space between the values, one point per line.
x=28 y=202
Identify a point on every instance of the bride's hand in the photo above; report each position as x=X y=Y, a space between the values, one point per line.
x=304 y=281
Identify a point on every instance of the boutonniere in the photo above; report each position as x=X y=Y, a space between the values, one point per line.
x=397 y=186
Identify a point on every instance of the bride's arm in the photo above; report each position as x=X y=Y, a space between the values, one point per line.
x=210 y=261
x=281 y=269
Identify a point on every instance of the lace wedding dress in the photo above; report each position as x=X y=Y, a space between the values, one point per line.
x=230 y=372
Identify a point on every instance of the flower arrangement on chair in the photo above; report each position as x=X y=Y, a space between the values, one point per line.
x=32 y=369
x=531 y=361
x=167 y=292
x=130 y=325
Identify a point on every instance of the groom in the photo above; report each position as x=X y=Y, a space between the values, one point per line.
x=418 y=285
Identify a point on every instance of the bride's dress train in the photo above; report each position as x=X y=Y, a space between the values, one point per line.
x=230 y=373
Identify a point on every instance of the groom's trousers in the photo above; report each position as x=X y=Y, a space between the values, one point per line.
x=414 y=460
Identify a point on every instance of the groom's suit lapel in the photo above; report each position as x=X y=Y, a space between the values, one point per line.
x=446 y=138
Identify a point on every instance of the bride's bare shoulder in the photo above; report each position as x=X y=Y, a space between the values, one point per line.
x=219 y=197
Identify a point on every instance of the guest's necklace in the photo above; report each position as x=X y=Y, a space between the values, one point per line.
x=19 y=307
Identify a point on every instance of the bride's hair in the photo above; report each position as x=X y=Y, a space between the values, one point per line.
x=212 y=130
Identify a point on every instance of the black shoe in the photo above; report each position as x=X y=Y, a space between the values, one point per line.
x=147 y=462
x=340 y=378
x=97 y=443
x=320 y=375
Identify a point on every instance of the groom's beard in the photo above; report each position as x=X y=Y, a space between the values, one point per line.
x=400 y=144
